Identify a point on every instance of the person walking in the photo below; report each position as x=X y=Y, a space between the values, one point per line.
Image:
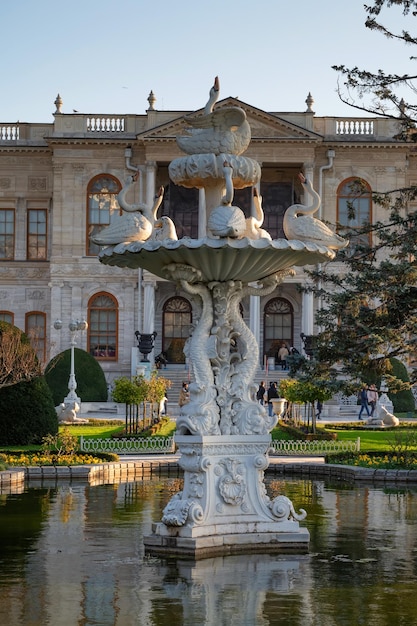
x=363 y=399
x=283 y=353
x=184 y=394
x=372 y=395
x=319 y=408
x=260 y=394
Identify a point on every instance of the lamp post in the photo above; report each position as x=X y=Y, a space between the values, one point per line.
x=72 y=402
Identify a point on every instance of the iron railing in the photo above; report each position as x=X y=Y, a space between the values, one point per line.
x=129 y=445
x=314 y=447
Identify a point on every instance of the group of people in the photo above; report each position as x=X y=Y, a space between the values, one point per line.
x=262 y=395
x=368 y=397
x=283 y=353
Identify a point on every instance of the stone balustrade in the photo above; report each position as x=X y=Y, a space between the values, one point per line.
x=84 y=125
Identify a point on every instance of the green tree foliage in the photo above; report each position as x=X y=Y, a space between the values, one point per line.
x=136 y=392
x=305 y=392
x=27 y=413
x=91 y=382
x=128 y=391
x=368 y=310
x=403 y=401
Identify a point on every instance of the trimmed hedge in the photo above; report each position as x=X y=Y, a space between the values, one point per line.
x=27 y=413
x=91 y=382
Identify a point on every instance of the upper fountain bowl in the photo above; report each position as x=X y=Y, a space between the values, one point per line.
x=218 y=259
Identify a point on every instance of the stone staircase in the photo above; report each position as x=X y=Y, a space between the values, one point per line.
x=177 y=374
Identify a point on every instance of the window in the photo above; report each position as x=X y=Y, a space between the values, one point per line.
x=102 y=207
x=102 y=326
x=6 y=316
x=181 y=205
x=35 y=328
x=354 y=207
x=36 y=234
x=278 y=325
x=177 y=319
x=6 y=234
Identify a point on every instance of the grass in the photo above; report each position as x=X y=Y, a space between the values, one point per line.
x=375 y=440
x=372 y=441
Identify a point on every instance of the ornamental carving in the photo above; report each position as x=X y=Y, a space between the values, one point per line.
x=5 y=183
x=35 y=294
x=37 y=183
x=232 y=485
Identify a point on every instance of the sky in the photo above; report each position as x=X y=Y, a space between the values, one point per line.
x=105 y=56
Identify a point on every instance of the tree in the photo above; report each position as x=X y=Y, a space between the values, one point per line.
x=305 y=392
x=18 y=360
x=377 y=92
x=368 y=313
x=138 y=391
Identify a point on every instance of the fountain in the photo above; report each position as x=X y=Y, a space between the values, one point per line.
x=223 y=433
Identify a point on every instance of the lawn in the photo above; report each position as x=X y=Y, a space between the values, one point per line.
x=377 y=440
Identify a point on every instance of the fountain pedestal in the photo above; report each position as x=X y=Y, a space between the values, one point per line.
x=224 y=508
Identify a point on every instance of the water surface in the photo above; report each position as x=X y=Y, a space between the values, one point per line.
x=73 y=555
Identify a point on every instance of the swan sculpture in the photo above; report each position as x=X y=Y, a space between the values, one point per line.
x=253 y=224
x=164 y=228
x=218 y=131
x=135 y=225
x=300 y=225
x=227 y=220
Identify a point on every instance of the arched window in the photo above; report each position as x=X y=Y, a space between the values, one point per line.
x=278 y=325
x=354 y=201
x=7 y=316
x=102 y=207
x=35 y=328
x=102 y=327
x=177 y=318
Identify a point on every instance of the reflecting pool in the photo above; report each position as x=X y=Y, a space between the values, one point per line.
x=73 y=555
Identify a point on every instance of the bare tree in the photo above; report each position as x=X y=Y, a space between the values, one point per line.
x=377 y=92
x=18 y=360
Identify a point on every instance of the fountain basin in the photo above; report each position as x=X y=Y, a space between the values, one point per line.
x=222 y=260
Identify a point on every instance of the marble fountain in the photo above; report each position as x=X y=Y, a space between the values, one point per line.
x=223 y=433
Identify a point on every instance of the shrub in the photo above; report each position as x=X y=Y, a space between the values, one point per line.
x=91 y=382
x=27 y=413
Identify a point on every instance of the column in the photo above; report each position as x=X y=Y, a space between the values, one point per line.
x=254 y=319
x=307 y=313
x=149 y=307
x=150 y=183
x=202 y=215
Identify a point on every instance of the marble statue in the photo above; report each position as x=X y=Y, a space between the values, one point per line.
x=67 y=413
x=138 y=222
x=300 y=224
x=223 y=433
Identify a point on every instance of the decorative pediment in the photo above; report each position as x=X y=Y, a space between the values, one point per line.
x=264 y=125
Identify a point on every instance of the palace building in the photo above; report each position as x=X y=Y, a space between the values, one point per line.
x=59 y=183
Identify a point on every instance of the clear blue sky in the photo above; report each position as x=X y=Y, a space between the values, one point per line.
x=105 y=56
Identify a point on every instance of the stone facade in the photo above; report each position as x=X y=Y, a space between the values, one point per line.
x=48 y=168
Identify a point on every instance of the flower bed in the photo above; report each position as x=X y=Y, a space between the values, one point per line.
x=376 y=460
x=30 y=459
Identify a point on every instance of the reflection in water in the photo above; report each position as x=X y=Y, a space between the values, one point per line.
x=73 y=556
